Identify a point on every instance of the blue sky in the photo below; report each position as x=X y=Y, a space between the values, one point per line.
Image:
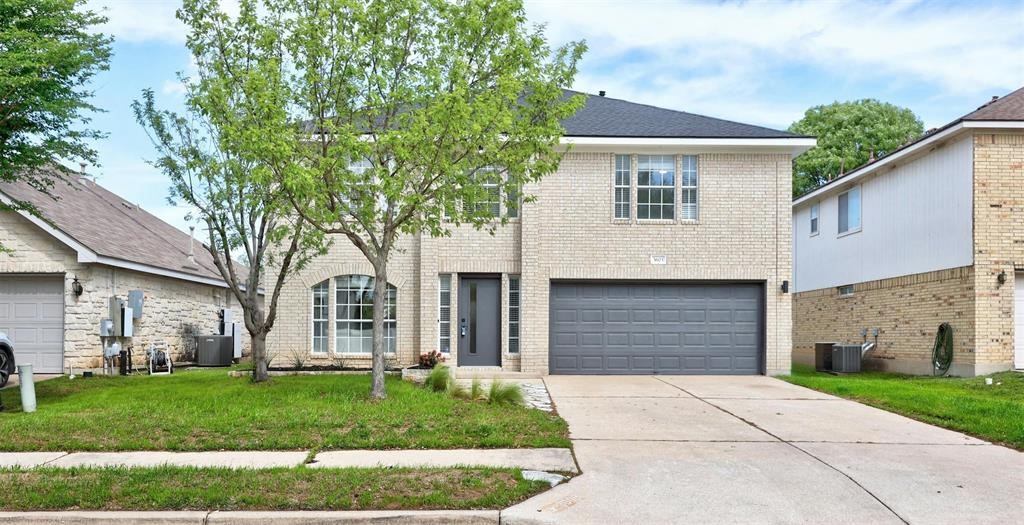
x=757 y=62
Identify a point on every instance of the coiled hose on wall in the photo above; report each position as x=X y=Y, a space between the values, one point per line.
x=942 y=352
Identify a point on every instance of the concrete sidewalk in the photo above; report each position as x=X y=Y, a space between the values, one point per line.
x=546 y=459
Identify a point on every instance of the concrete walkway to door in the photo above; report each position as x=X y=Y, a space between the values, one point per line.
x=700 y=449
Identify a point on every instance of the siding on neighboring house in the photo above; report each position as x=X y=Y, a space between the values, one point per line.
x=915 y=219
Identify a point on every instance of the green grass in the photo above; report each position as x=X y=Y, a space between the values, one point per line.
x=991 y=412
x=185 y=488
x=207 y=410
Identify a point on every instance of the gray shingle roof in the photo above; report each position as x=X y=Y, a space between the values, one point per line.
x=112 y=227
x=610 y=117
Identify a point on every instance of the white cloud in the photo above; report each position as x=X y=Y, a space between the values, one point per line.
x=146 y=21
x=722 y=56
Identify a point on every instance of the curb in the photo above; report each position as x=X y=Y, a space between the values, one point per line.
x=369 y=517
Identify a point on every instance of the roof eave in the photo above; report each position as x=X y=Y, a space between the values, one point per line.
x=792 y=145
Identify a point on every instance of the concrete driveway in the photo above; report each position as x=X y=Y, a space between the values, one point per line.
x=699 y=449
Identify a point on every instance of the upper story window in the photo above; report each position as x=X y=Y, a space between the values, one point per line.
x=814 y=219
x=849 y=211
x=655 y=189
x=689 y=188
x=623 y=174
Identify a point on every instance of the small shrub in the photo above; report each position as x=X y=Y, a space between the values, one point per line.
x=431 y=359
x=298 y=358
x=457 y=391
x=439 y=379
x=505 y=394
x=476 y=390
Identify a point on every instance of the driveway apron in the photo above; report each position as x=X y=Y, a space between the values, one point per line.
x=702 y=449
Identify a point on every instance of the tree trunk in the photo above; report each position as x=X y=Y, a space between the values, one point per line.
x=259 y=357
x=380 y=294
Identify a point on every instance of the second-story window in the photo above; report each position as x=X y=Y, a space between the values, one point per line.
x=655 y=188
x=814 y=219
x=689 y=182
x=849 y=211
x=622 y=183
x=490 y=204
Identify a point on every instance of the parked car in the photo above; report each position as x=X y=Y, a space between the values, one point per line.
x=6 y=359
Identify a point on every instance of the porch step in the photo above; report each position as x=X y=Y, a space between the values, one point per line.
x=492 y=372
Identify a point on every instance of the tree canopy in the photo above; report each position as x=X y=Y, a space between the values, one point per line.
x=849 y=134
x=48 y=54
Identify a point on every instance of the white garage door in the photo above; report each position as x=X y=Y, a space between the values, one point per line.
x=32 y=316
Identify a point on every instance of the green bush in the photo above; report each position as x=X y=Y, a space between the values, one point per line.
x=505 y=393
x=476 y=390
x=439 y=379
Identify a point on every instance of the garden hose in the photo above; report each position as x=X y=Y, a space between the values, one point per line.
x=942 y=352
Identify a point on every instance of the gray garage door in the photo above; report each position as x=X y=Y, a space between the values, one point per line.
x=656 y=328
x=32 y=316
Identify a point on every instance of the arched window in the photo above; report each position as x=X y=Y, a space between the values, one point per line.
x=354 y=315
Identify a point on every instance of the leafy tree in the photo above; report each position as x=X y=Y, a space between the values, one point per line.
x=222 y=159
x=849 y=134
x=415 y=113
x=47 y=55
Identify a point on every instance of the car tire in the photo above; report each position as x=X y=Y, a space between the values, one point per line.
x=6 y=365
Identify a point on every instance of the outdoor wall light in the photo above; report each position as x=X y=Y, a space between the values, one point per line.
x=785 y=286
x=1001 y=278
x=76 y=287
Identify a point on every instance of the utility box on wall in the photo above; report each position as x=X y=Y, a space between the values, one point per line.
x=135 y=300
x=122 y=317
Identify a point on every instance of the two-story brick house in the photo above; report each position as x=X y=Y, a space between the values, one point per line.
x=930 y=233
x=661 y=245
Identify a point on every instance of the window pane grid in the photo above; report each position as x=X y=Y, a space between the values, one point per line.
x=354 y=315
x=513 y=315
x=445 y=313
x=622 y=190
x=689 y=188
x=321 y=310
x=655 y=187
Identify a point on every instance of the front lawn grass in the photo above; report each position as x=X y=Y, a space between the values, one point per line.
x=990 y=412
x=187 y=488
x=207 y=410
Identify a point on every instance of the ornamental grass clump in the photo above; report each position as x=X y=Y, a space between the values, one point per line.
x=505 y=394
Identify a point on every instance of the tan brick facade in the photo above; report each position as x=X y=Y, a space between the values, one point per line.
x=743 y=234
x=908 y=309
x=907 y=312
x=170 y=304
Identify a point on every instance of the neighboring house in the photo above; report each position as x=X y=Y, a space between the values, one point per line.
x=96 y=239
x=930 y=233
x=660 y=245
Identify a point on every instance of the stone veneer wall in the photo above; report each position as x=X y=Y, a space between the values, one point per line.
x=907 y=312
x=998 y=242
x=169 y=303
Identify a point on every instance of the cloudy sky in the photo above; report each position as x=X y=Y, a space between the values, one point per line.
x=757 y=62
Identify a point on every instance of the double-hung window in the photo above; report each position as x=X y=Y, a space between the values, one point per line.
x=849 y=211
x=814 y=219
x=655 y=189
x=321 y=311
x=354 y=316
x=689 y=188
x=622 y=182
x=490 y=204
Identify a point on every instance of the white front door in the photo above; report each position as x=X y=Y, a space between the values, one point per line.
x=1018 y=318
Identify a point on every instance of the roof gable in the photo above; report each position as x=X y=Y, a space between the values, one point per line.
x=111 y=227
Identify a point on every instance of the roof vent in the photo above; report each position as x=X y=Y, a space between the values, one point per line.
x=994 y=98
x=82 y=176
x=600 y=93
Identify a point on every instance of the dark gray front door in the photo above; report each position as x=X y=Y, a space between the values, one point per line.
x=479 y=325
x=656 y=328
